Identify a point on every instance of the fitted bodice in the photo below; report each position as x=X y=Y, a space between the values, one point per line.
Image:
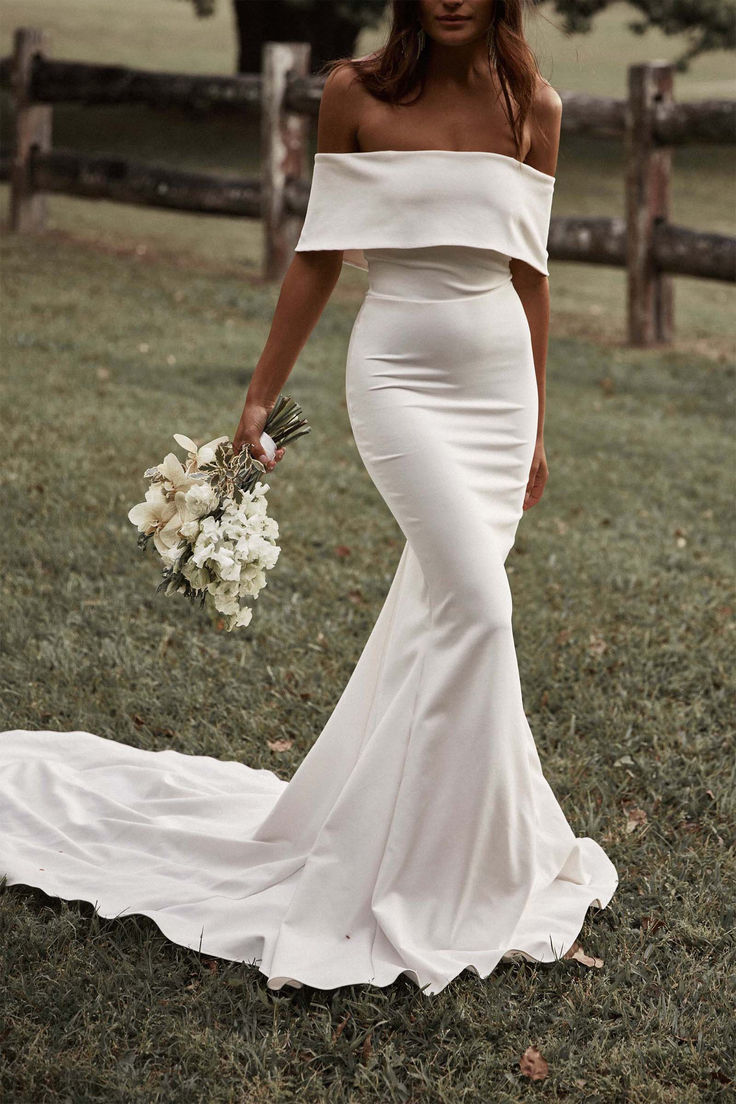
x=435 y=271
x=369 y=202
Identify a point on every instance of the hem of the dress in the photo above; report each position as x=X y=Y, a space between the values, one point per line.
x=601 y=901
x=602 y=897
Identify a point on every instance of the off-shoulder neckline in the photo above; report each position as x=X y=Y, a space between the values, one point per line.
x=454 y=153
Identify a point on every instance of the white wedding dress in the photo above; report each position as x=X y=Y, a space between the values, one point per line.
x=418 y=836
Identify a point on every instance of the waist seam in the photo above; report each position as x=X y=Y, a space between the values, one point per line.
x=370 y=294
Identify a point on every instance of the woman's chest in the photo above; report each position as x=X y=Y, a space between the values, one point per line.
x=460 y=122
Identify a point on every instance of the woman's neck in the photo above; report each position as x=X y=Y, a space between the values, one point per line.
x=457 y=65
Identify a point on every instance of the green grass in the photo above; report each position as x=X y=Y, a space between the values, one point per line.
x=623 y=602
x=123 y=325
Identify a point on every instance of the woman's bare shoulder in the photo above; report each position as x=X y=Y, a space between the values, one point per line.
x=547 y=104
x=545 y=120
x=339 y=110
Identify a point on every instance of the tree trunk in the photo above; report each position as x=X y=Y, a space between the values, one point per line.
x=258 y=21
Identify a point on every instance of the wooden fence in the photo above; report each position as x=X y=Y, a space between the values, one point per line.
x=287 y=98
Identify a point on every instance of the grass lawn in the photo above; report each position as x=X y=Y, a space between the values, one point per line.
x=623 y=603
x=122 y=326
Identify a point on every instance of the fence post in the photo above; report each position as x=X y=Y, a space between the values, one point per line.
x=648 y=171
x=32 y=132
x=284 y=141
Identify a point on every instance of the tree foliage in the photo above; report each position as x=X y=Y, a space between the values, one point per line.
x=363 y=13
x=706 y=24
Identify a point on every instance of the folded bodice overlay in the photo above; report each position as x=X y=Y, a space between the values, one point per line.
x=416 y=198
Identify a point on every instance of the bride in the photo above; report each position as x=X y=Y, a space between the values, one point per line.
x=419 y=835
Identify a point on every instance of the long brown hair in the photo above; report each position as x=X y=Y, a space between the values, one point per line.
x=400 y=65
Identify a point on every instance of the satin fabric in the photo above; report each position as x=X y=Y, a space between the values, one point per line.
x=409 y=198
x=419 y=835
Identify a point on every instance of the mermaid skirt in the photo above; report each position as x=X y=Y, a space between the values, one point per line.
x=419 y=835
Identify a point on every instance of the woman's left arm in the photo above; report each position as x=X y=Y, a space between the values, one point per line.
x=531 y=285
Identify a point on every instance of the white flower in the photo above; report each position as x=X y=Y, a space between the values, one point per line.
x=225 y=598
x=198 y=457
x=171 y=555
x=197 y=576
x=158 y=516
x=244 y=617
x=202 y=551
x=210 y=527
x=155 y=511
x=168 y=535
x=229 y=567
x=198 y=500
x=175 y=478
x=189 y=529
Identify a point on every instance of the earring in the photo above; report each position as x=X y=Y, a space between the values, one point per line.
x=421 y=38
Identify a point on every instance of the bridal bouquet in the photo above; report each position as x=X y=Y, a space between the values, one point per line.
x=208 y=519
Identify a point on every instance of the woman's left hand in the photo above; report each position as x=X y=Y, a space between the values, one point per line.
x=537 y=477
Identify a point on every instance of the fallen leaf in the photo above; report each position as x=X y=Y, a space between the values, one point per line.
x=635 y=818
x=577 y=952
x=533 y=1065
x=279 y=745
x=340 y=1027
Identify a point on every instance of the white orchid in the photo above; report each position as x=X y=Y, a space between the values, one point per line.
x=156 y=508
x=158 y=516
x=167 y=536
x=200 y=455
x=175 y=478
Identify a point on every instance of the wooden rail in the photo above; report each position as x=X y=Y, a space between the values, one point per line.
x=709 y=121
x=286 y=97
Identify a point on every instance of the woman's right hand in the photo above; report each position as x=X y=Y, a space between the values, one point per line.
x=250 y=427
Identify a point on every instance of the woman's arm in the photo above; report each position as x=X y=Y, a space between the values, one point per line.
x=307 y=284
x=531 y=285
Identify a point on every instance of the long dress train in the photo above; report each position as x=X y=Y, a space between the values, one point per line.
x=419 y=835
